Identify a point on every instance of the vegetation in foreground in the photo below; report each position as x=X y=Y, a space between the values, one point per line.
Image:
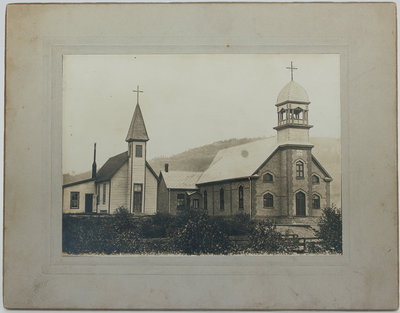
x=193 y=232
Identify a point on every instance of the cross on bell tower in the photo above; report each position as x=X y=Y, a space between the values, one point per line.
x=291 y=68
x=137 y=90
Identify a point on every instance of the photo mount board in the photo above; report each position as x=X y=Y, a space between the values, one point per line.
x=37 y=275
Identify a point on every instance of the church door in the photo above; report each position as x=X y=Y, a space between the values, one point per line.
x=137 y=198
x=88 y=203
x=300 y=204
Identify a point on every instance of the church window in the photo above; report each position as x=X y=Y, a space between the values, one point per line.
x=74 y=200
x=138 y=151
x=268 y=200
x=241 y=197
x=98 y=195
x=267 y=178
x=221 y=199
x=195 y=203
x=316 y=202
x=299 y=169
x=205 y=200
x=315 y=179
x=180 y=198
x=104 y=193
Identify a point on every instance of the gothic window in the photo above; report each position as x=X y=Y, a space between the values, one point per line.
x=138 y=151
x=195 y=203
x=268 y=200
x=315 y=179
x=205 y=200
x=267 y=178
x=299 y=169
x=316 y=202
x=241 y=197
x=74 y=200
x=221 y=199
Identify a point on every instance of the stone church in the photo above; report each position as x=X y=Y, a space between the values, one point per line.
x=125 y=180
x=277 y=176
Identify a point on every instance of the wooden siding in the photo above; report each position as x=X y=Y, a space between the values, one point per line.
x=137 y=174
x=119 y=189
x=150 y=193
x=83 y=189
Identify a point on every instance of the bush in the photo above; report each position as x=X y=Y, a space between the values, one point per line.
x=330 y=230
x=199 y=234
x=264 y=238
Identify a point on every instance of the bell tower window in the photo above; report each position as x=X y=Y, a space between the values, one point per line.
x=299 y=169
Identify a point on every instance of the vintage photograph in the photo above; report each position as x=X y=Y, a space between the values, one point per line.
x=201 y=154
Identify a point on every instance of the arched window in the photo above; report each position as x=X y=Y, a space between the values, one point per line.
x=221 y=199
x=205 y=199
x=240 y=197
x=299 y=169
x=316 y=202
x=315 y=179
x=268 y=200
x=267 y=178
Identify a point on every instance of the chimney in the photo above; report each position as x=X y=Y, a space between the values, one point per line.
x=94 y=166
x=166 y=167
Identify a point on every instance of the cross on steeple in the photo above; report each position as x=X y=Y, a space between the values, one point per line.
x=137 y=95
x=291 y=68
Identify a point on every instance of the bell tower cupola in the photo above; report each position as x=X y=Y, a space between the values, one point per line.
x=292 y=109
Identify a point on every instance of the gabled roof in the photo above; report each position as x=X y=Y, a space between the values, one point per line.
x=137 y=129
x=181 y=179
x=239 y=161
x=112 y=165
x=152 y=171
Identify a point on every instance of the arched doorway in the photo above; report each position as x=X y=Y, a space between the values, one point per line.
x=300 y=204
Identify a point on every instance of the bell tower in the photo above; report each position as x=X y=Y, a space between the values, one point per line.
x=295 y=148
x=292 y=109
x=137 y=138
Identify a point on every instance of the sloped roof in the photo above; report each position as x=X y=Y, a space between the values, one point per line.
x=292 y=92
x=239 y=161
x=181 y=179
x=137 y=129
x=112 y=165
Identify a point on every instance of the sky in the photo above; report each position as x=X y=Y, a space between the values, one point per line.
x=187 y=101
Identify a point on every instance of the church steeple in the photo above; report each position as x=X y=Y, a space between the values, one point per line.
x=292 y=108
x=137 y=129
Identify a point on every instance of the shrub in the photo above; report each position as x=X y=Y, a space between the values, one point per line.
x=330 y=230
x=264 y=238
x=199 y=234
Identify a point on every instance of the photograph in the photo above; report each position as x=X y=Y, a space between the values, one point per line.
x=194 y=154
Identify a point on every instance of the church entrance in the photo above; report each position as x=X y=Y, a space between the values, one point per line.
x=300 y=204
x=88 y=203
x=137 y=197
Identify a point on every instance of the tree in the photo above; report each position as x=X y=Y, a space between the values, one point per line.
x=199 y=234
x=330 y=229
x=264 y=238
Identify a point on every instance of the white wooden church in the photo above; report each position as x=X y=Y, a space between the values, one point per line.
x=125 y=180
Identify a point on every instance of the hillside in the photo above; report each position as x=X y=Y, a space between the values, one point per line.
x=197 y=159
